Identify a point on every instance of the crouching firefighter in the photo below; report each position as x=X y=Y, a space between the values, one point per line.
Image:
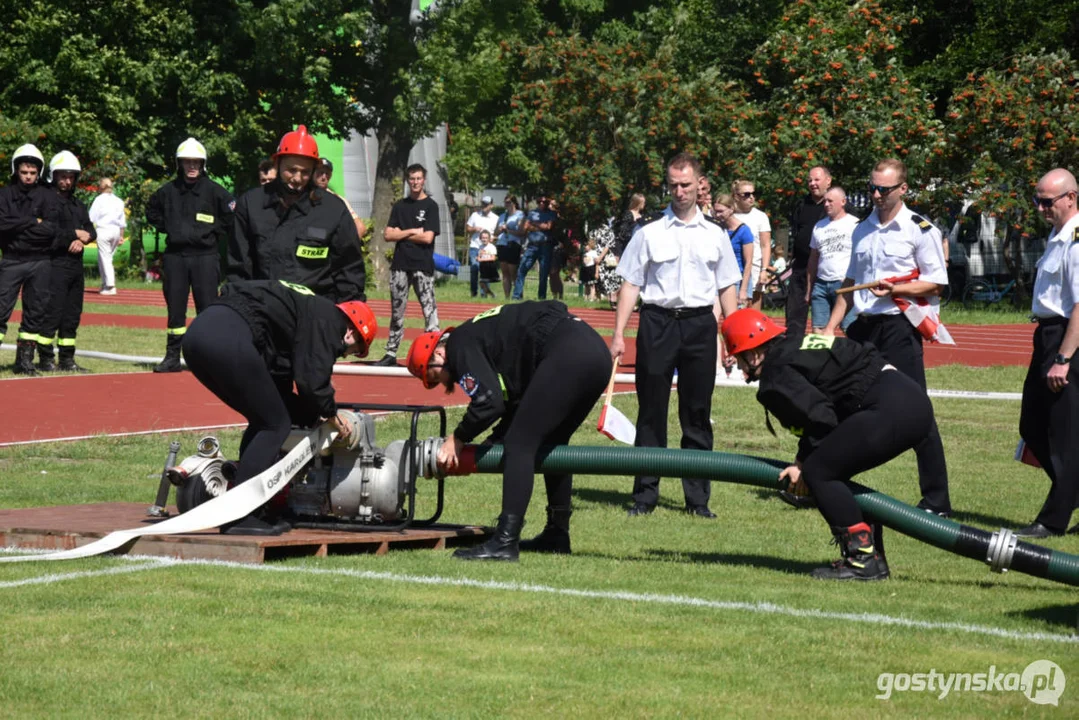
x=538 y=370
x=252 y=344
x=852 y=413
x=66 y=284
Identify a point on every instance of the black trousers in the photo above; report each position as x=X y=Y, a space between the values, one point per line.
x=1049 y=423
x=31 y=278
x=66 y=287
x=901 y=345
x=572 y=375
x=797 y=310
x=666 y=343
x=895 y=416
x=221 y=352
x=198 y=274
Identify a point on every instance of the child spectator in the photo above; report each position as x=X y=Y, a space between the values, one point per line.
x=488 y=262
x=588 y=270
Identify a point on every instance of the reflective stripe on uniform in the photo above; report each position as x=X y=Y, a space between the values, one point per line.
x=296 y=287
x=312 y=253
x=66 y=342
x=177 y=331
x=28 y=336
x=42 y=340
x=502 y=384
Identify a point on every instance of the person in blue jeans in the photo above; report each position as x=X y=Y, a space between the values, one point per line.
x=538 y=223
x=829 y=256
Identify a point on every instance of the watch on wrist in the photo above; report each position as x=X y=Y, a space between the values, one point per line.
x=1061 y=360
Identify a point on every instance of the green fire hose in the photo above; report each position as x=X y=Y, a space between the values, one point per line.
x=1002 y=550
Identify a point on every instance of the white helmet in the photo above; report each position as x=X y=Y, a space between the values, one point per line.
x=64 y=160
x=27 y=153
x=191 y=149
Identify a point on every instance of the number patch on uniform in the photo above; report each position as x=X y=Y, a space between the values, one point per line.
x=813 y=341
x=312 y=253
x=301 y=289
x=203 y=217
x=488 y=313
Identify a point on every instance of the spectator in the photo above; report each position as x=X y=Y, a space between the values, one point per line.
x=28 y=229
x=560 y=249
x=538 y=224
x=478 y=221
x=109 y=218
x=777 y=268
x=745 y=201
x=588 y=270
x=683 y=269
x=195 y=215
x=805 y=215
x=66 y=285
x=612 y=244
x=892 y=242
x=510 y=232
x=413 y=225
x=741 y=240
x=488 y=261
x=829 y=257
x=291 y=230
x=267 y=171
x=321 y=179
x=704 y=196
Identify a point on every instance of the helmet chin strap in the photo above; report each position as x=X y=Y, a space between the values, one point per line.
x=291 y=190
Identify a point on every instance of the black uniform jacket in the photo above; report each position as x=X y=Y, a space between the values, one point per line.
x=21 y=235
x=804 y=216
x=493 y=357
x=71 y=215
x=298 y=334
x=194 y=218
x=311 y=243
x=812 y=383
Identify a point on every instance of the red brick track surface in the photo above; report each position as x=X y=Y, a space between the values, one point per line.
x=76 y=406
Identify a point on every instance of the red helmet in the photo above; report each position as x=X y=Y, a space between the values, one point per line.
x=419 y=355
x=363 y=320
x=297 y=142
x=747 y=329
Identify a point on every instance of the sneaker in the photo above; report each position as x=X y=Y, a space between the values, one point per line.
x=107 y=291
x=387 y=361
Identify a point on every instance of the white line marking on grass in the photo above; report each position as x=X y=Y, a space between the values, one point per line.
x=61 y=577
x=651 y=598
x=131 y=433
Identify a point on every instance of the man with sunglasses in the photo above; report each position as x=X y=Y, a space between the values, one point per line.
x=746 y=210
x=893 y=242
x=1050 y=411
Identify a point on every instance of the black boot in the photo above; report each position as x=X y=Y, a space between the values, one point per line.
x=67 y=360
x=555 y=535
x=501 y=546
x=860 y=560
x=171 y=363
x=45 y=356
x=24 y=358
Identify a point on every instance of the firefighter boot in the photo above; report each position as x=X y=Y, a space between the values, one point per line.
x=501 y=546
x=860 y=560
x=45 y=356
x=67 y=360
x=24 y=358
x=555 y=535
x=171 y=362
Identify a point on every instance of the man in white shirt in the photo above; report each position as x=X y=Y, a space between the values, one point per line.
x=746 y=210
x=109 y=219
x=1050 y=412
x=478 y=221
x=893 y=242
x=682 y=267
x=829 y=257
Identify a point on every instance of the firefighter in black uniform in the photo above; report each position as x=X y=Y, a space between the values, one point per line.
x=249 y=348
x=1050 y=411
x=195 y=215
x=538 y=370
x=74 y=231
x=289 y=229
x=852 y=413
x=27 y=229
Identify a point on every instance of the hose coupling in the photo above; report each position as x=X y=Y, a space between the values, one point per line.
x=1002 y=546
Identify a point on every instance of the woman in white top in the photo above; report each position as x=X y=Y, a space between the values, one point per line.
x=108 y=216
x=745 y=201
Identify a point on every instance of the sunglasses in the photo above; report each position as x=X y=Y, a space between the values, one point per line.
x=1046 y=203
x=882 y=189
x=747 y=195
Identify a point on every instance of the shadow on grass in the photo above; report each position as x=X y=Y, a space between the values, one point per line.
x=766 y=562
x=1064 y=616
x=991 y=521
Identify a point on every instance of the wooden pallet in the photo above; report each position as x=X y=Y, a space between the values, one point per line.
x=70 y=526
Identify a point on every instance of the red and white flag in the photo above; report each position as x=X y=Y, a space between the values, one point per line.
x=614 y=424
x=924 y=315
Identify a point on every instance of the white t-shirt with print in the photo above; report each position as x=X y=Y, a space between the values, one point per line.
x=831 y=238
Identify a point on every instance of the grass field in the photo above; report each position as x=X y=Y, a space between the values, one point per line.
x=660 y=616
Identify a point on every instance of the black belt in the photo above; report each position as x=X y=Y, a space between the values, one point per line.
x=679 y=313
x=880 y=317
x=1051 y=320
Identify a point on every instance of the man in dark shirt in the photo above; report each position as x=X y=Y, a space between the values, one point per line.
x=413 y=225
x=805 y=215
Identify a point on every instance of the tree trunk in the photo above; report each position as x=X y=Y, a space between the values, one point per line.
x=389 y=178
